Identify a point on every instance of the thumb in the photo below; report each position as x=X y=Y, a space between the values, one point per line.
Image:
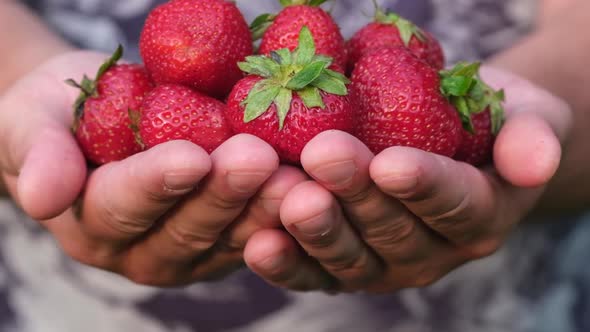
x=528 y=149
x=37 y=147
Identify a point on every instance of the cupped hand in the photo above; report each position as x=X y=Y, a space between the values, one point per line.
x=405 y=218
x=167 y=216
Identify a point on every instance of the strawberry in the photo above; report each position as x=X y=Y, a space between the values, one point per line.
x=480 y=109
x=390 y=30
x=289 y=98
x=175 y=112
x=101 y=121
x=196 y=43
x=282 y=30
x=399 y=103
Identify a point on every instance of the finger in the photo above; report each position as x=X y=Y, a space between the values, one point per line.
x=455 y=199
x=528 y=148
x=340 y=163
x=41 y=151
x=35 y=141
x=263 y=211
x=275 y=257
x=240 y=167
x=124 y=199
x=312 y=215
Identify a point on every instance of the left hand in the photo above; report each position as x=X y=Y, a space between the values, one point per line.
x=406 y=218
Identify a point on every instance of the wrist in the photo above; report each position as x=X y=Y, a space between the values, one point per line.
x=30 y=42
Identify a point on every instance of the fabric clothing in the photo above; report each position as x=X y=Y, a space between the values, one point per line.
x=537 y=282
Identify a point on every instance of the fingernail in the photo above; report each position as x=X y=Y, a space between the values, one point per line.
x=181 y=180
x=336 y=175
x=318 y=226
x=272 y=263
x=246 y=182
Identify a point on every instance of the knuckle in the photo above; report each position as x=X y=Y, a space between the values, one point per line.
x=452 y=216
x=356 y=263
x=359 y=197
x=189 y=239
x=322 y=241
x=393 y=237
x=122 y=222
x=223 y=203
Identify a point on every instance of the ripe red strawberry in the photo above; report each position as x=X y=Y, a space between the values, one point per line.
x=196 y=43
x=480 y=109
x=101 y=124
x=285 y=28
x=399 y=103
x=390 y=30
x=289 y=98
x=175 y=112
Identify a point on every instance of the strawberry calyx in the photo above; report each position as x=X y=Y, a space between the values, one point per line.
x=407 y=29
x=88 y=87
x=465 y=89
x=285 y=72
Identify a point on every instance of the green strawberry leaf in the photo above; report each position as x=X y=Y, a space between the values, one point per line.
x=307 y=75
x=316 y=3
x=260 y=24
x=337 y=75
x=276 y=57
x=497 y=112
x=464 y=113
x=259 y=100
x=283 y=102
x=305 y=50
x=284 y=72
x=285 y=55
x=110 y=62
x=311 y=97
x=324 y=58
x=466 y=69
x=313 y=3
x=457 y=85
x=331 y=84
x=470 y=95
x=259 y=65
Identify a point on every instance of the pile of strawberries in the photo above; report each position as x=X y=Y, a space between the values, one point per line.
x=203 y=80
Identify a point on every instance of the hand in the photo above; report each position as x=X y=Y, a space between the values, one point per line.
x=168 y=216
x=405 y=218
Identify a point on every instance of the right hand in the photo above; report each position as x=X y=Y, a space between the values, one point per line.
x=168 y=216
